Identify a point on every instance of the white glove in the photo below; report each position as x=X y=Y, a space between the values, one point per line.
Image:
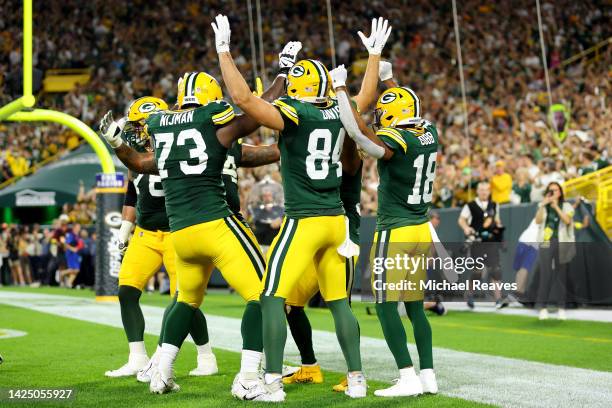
x=338 y=76
x=222 y=33
x=111 y=130
x=288 y=56
x=124 y=235
x=385 y=71
x=378 y=37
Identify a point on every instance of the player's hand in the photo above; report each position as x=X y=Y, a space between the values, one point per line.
x=111 y=130
x=385 y=71
x=222 y=31
x=288 y=56
x=122 y=248
x=378 y=37
x=338 y=76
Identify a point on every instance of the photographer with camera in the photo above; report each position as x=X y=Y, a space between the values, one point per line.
x=556 y=237
x=482 y=226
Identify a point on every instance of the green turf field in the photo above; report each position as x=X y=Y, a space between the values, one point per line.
x=61 y=352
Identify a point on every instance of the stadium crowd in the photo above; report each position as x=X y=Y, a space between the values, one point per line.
x=508 y=142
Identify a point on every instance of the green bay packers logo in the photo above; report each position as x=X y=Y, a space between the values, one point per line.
x=388 y=97
x=147 y=107
x=297 y=71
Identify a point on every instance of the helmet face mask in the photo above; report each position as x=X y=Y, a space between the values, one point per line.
x=197 y=88
x=309 y=81
x=134 y=131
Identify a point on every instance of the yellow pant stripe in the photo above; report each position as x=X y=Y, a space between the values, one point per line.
x=251 y=249
x=278 y=254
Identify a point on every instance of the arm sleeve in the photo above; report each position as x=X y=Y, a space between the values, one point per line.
x=352 y=128
x=130 y=195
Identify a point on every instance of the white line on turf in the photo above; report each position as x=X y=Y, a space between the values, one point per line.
x=471 y=376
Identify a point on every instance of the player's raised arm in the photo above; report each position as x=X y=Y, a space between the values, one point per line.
x=354 y=125
x=255 y=156
x=143 y=163
x=263 y=112
x=245 y=124
x=374 y=44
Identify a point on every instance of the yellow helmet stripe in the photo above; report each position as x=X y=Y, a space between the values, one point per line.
x=395 y=135
x=224 y=117
x=417 y=102
x=323 y=77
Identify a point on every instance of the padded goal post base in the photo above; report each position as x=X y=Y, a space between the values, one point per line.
x=110 y=191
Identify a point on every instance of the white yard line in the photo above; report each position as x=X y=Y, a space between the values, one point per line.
x=477 y=377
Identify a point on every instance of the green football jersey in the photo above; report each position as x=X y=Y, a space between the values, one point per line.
x=406 y=179
x=310 y=146
x=230 y=177
x=350 y=193
x=190 y=160
x=151 y=203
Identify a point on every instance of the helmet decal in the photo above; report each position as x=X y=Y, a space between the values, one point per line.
x=388 y=97
x=297 y=71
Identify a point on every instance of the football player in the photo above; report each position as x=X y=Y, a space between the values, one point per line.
x=191 y=146
x=406 y=147
x=314 y=230
x=150 y=247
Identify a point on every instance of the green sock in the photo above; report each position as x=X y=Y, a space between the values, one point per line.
x=301 y=331
x=178 y=323
x=394 y=332
x=199 y=328
x=347 y=331
x=165 y=319
x=274 y=332
x=251 y=327
x=131 y=313
x=422 y=332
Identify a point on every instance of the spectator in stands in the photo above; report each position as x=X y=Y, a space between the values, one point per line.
x=557 y=248
x=501 y=184
x=5 y=269
x=23 y=242
x=72 y=244
x=521 y=189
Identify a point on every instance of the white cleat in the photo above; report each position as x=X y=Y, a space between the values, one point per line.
x=207 y=365
x=428 y=381
x=543 y=314
x=245 y=384
x=561 y=314
x=406 y=386
x=135 y=363
x=162 y=383
x=272 y=392
x=356 y=386
x=144 y=374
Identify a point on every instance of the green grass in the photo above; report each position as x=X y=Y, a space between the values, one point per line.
x=64 y=353
x=572 y=343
